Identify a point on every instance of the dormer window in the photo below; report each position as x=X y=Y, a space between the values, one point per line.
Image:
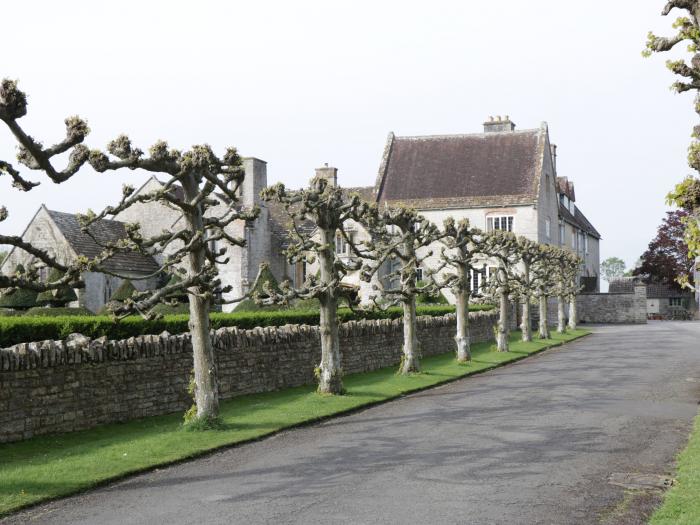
x=503 y=223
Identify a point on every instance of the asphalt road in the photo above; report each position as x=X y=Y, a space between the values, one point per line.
x=534 y=442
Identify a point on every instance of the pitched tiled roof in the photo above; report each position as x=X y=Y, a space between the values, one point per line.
x=106 y=231
x=455 y=171
x=660 y=290
x=622 y=285
x=579 y=220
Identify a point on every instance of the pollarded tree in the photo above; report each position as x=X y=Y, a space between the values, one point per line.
x=573 y=287
x=502 y=246
x=685 y=195
x=544 y=283
x=204 y=189
x=463 y=247
x=565 y=271
x=529 y=253
x=328 y=208
x=400 y=238
x=33 y=155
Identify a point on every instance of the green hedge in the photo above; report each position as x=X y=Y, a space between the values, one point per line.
x=15 y=330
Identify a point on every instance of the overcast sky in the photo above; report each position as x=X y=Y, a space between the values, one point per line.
x=302 y=83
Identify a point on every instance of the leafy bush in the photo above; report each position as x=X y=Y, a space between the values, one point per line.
x=124 y=292
x=23 y=329
x=424 y=298
x=9 y=312
x=39 y=311
x=19 y=299
x=60 y=297
x=168 y=309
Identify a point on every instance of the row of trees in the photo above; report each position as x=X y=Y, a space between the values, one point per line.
x=686 y=195
x=398 y=242
x=203 y=187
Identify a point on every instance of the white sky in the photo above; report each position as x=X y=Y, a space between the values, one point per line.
x=306 y=82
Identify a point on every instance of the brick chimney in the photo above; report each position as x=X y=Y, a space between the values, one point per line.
x=499 y=125
x=328 y=173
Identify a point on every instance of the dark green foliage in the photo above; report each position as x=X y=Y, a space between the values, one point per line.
x=424 y=298
x=265 y=280
x=60 y=297
x=180 y=295
x=24 y=329
x=19 y=299
x=169 y=309
x=40 y=311
x=124 y=292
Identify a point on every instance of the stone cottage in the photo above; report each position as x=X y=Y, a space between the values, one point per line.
x=61 y=236
x=664 y=301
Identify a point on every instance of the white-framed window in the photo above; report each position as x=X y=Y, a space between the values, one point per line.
x=504 y=222
x=476 y=280
x=548 y=227
x=562 y=234
x=341 y=245
x=675 y=301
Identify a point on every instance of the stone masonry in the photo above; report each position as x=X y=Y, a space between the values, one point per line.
x=78 y=383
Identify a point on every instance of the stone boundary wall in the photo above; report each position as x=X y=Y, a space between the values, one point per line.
x=604 y=308
x=614 y=308
x=79 y=383
x=607 y=308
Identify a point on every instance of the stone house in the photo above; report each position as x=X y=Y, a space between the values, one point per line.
x=502 y=179
x=61 y=236
x=664 y=301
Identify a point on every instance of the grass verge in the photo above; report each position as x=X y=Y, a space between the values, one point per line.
x=681 y=504
x=49 y=467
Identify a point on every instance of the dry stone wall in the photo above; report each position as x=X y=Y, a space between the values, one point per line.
x=79 y=383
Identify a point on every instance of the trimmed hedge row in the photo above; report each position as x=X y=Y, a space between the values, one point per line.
x=15 y=330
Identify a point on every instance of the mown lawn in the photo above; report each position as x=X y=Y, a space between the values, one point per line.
x=48 y=467
x=682 y=502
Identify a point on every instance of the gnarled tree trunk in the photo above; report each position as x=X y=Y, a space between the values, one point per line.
x=525 y=325
x=561 y=314
x=411 y=346
x=502 y=328
x=330 y=379
x=462 y=338
x=206 y=391
x=544 y=325
x=573 y=312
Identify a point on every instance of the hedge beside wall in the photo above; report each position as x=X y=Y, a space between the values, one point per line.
x=14 y=330
x=79 y=383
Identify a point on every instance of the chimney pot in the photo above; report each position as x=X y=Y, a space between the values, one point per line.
x=499 y=125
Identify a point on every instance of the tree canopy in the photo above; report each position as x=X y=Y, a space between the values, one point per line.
x=667 y=258
x=612 y=268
